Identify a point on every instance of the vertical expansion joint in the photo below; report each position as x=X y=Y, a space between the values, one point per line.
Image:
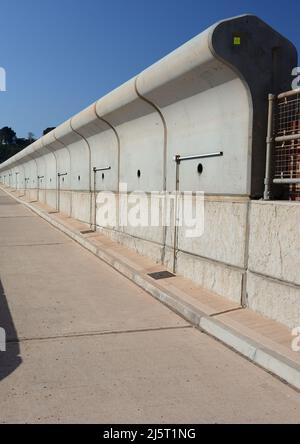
x=157 y=109
x=57 y=190
x=89 y=151
x=118 y=146
x=51 y=152
x=117 y=137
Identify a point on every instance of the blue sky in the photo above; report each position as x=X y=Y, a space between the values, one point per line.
x=62 y=55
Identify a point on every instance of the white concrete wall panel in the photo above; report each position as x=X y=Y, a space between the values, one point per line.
x=65 y=137
x=50 y=160
x=207 y=96
x=206 y=109
x=199 y=99
x=104 y=147
x=141 y=135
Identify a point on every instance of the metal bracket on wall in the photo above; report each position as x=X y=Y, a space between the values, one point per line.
x=38 y=188
x=26 y=179
x=59 y=175
x=16 y=183
x=178 y=159
x=95 y=171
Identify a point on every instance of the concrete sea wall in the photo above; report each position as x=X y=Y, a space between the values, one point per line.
x=209 y=96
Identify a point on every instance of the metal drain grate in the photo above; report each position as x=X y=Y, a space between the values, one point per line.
x=161 y=275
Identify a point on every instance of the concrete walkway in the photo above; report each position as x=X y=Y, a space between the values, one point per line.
x=88 y=345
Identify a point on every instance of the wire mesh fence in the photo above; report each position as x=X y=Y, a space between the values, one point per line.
x=287 y=151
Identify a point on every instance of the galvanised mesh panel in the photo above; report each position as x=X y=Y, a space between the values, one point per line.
x=287 y=153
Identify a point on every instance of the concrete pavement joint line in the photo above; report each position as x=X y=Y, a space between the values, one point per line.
x=260 y=355
x=34 y=245
x=98 y=333
x=17 y=217
x=214 y=315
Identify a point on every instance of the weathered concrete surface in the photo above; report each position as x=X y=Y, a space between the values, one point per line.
x=177 y=376
x=275 y=240
x=277 y=300
x=225 y=224
x=216 y=277
x=93 y=347
x=216 y=260
x=274 y=260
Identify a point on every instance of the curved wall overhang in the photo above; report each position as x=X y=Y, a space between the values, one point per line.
x=208 y=95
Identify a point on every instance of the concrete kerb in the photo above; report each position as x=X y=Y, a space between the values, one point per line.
x=275 y=363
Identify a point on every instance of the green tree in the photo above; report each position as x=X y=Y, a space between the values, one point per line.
x=48 y=130
x=10 y=144
x=7 y=136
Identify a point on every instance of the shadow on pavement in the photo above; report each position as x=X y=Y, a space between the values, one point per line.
x=11 y=359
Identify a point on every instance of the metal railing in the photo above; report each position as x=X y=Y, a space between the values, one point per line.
x=283 y=144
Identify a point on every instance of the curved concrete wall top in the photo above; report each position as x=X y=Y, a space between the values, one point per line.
x=209 y=95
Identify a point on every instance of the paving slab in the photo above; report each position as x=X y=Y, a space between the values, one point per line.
x=26 y=231
x=88 y=345
x=175 y=376
x=63 y=289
